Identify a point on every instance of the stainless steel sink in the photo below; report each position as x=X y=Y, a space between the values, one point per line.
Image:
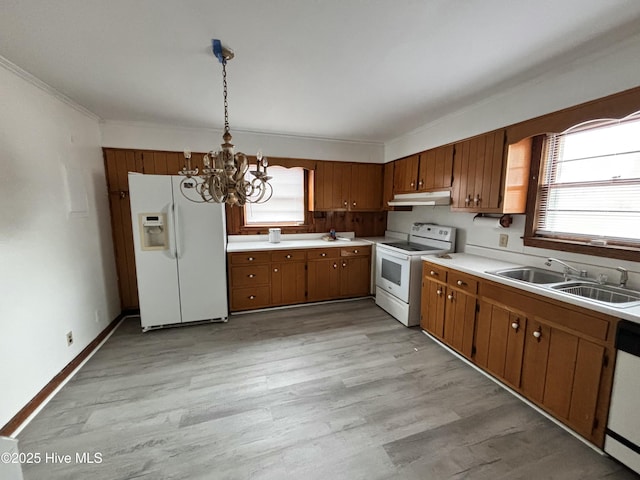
x=615 y=296
x=531 y=275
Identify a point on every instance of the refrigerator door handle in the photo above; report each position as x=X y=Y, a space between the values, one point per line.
x=176 y=219
x=173 y=249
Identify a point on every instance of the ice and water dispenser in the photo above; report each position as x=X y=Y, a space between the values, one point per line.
x=153 y=231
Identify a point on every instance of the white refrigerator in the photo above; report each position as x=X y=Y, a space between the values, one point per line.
x=179 y=252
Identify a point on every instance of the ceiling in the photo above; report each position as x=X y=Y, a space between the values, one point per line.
x=345 y=69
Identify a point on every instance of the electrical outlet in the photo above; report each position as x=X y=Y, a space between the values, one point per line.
x=69 y=339
x=504 y=240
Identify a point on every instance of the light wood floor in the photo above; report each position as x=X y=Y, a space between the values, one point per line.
x=335 y=391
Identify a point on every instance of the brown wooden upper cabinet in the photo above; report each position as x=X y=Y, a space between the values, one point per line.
x=429 y=170
x=489 y=177
x=342 y=186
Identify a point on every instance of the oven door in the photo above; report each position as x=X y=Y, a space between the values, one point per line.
x=392 y=273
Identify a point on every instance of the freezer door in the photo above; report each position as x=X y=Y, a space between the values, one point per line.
x=200 y=243
x=156 y=269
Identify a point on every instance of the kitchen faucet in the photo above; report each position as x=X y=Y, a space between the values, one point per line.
x=624 y=276
x=567 y=267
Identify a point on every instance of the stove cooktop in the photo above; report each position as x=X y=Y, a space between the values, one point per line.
x=411 y=247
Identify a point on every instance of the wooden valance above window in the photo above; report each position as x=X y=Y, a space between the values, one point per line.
x=618 y=105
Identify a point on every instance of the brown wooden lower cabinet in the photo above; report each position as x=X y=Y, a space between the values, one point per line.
x=499 y=342
x=449 y=307
x=288 y=283
x=557 y=355
x=266 y=279
x=432 y=306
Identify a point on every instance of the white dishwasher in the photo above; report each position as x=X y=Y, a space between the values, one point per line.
x=622 y=440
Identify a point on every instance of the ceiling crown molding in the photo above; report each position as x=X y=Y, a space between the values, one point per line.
x=45 y=87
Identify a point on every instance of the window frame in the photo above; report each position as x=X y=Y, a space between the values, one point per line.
x=285 y=224
x=573 y=245
x=235 y=215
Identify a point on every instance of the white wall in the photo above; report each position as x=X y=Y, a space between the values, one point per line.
x=480 y=240
x=158 y=137
x=595 y=76
x=56 y=270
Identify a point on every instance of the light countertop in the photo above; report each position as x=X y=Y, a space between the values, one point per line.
x=252 y=243
x=293 y=245
x=478 y=266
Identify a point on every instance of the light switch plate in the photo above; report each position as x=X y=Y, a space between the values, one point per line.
x=504 y=240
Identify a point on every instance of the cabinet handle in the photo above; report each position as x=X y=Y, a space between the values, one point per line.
x=288 y=256
x=438 y=292
x=275 y=270
x=433 y=273
x=515 y=325
x=354 y=204
x=467 y=201
x=460 y=283
x=476 y=200
x=413 y=184
x=345 y=203
x=450 y=297
x=251 y=275
x=335 y=265
x=250 y=259
x=537 y=334
x=323 y=254
x=251 y=297
x=420 y=183
x=344 y=265
x=355 y=251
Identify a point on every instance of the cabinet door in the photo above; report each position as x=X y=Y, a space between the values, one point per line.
x=355 y=276
x=500 y=342
x=323 y=278
x=436 y=168
x=432 y=307
x=534 y=362
x=331 y=186
x=459 y=321
x=405 y=175
x=387 y=186
x=515 y=349
x=477 y=173
x=586 y=386
x=366 y=187
x=288 y=283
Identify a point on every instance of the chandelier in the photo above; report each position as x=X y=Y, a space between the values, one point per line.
x=224 y=176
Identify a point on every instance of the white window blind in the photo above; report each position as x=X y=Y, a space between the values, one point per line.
x=286 y=206
x=590 y=184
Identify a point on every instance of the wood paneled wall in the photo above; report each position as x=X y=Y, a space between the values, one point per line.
x=119 y=162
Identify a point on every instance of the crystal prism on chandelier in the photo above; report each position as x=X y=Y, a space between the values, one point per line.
x=223 y=178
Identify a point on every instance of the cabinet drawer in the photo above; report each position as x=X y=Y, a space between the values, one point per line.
x=355 y=251
x=433 y=272
x=250 y=297
x=288 y=256
x=244 y=276
x=463 y=282
x=245 y=258
x=321 y=253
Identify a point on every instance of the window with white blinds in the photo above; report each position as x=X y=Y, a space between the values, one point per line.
x=590 y=184
x=286 y=206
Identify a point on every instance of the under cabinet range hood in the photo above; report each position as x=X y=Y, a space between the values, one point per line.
x=423 y=198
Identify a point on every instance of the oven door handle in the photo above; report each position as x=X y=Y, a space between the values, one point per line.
x=383 y=252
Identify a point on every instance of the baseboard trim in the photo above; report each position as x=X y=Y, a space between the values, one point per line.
x=19 y=418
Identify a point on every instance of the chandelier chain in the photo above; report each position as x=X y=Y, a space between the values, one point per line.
x=226 y=104
x=226 y=177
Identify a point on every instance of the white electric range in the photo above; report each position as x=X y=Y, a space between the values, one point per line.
x=399 y=269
